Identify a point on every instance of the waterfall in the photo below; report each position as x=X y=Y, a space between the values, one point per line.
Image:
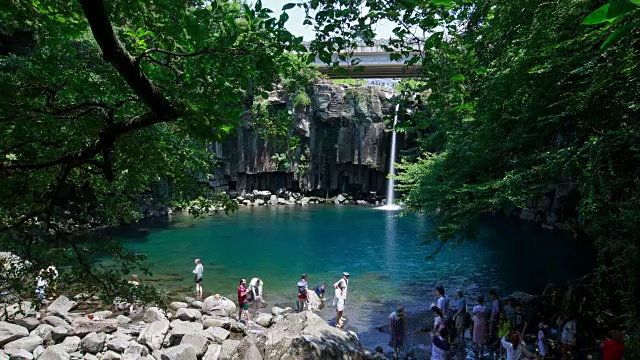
x=390 y=205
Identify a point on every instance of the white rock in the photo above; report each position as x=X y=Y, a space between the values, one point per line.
x=28 y=343
x=212 y=321
x=10 y=332
x=121 y=319
x=93 y=343
x=119 y=343
x=197 y=304
x=188 y=314
x=198 y=342
x=3 y=356
x=110 y=355
x=219 y=307
x=90 y=357
x=178 y=305
x=20 y=354
x=59 y=333
x=228 y=348
x=104 y=314
x=340 y=198
x=258 y=202
x=61 y=306
x=54 y=353
x=55 y=321
x=154 y=334
x=213 y=352
x=264 y=319
x=135 y=351
x=28 y=322
x=217 y=334
x=83 y=326
x=180 y=352
x=153 y=314
x=38 y=351
x=71 y=344
x=280 y=311
x=238 y=327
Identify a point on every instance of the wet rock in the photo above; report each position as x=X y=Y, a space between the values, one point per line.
x=198 y=342
x=54 y=353
x=61 y=306
x=10 y=332
x=188 y=314
x=218 y=334
x=83 y=326
x=153 y=314
x=153 y=334
x=180 y=352
x=213 y=352
x=93 y=342
x=220 y=307
x=178 y=305
x=28 y=343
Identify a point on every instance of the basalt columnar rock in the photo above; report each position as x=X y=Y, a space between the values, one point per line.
x=344 y=145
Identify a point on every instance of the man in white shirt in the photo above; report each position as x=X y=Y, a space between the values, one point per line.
x=342 y=291
x=345 y=281
x=443 y=302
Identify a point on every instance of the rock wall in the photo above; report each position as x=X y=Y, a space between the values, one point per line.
x=344 y=145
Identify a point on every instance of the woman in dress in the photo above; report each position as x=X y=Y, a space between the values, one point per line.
x=480 y=325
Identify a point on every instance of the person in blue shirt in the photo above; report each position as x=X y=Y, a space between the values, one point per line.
x=460 y=317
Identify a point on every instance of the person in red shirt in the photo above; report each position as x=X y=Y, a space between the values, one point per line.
x=612 y=346
x=243 y=303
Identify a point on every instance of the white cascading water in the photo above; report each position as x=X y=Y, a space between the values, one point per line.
x=390 y=205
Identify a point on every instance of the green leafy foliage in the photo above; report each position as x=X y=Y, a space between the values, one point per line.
x=98 y=113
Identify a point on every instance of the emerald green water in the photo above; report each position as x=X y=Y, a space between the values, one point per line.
x=382 y=252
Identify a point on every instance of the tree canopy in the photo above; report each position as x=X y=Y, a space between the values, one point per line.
x=105 y=100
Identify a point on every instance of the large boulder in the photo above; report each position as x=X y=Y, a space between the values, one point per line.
x=71 y=344
x=188 y=314
x=198 y=342
x=83 y=326
x=20 y=354
x=29 y=323
x=176 y=305
x=93 y=343
x=28 y=343
x=314 y=301
x=61 y=306
x=135 y=351
x=211 y=321
x=153 y=314
x=213 y=352
x=54 y=353
x=228 y=349
x=153 y=334
x=10 y=332
x=264 y=319
x=56 y=321
x=180 y=352
x=249 y=349
x=280 y=311
x=42 y=331
x=181 y=328
x=217 y=334
x=306 y=333
x=59 y=333
x=119 y=343
x=218 y=306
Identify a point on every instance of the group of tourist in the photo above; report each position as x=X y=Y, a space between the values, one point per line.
x=253 y=293
x=503 y=326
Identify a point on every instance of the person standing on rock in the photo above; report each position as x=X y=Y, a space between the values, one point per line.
x=198 y=273
x=255 y=285
x=53 y=275
x=344 y=281
x=480 y=327
x=396 y=326
x=131 y=298
x=460 y=318
x=338 y=302
x=243 y=303
x=303 y=293
x=443 y=302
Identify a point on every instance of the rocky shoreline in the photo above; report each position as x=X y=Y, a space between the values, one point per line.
x=186 y=330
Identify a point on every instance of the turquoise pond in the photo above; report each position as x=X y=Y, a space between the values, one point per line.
x=382 y=251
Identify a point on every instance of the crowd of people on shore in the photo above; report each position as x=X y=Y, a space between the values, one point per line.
x=498 y=329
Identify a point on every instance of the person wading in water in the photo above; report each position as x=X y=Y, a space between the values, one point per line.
x=396 y=325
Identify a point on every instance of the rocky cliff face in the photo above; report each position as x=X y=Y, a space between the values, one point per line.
x=344 y=146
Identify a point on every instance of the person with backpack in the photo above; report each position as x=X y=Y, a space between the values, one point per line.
x=303 y=293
